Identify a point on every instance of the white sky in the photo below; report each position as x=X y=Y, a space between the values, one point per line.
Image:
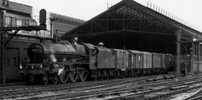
x=187 y=10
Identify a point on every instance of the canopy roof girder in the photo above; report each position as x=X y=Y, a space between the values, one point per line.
x=128 y=14
x=129 y=19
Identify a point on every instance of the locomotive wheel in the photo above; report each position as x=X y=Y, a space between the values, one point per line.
x=94 y=75
x=99 y=74
x=44 y=80
x=105 y=75
x=83 y=75
x=118 y=74
x=63 y=77
x=108 y=74
x=54 y=79
x=30 y=79
x=73 y=76
x=111 y=74
x=114 y=74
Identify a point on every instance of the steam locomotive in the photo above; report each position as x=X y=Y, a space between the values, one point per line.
x=63 y=61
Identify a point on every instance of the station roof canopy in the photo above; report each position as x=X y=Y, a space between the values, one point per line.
x=131 y=25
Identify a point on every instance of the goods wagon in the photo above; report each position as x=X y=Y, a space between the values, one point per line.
x=157 y=62
x=136 y=62
x=147 y=63
x=122 y=59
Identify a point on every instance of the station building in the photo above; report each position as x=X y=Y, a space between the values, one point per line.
x=15 y=46
x=60 y=24
x=14 y=15
x=130 y=25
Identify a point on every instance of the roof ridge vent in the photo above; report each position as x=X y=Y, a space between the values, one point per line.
x=128 y=0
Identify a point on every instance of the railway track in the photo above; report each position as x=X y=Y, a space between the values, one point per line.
x=165 y=94
x=194 y=95
x=16 y=92
x=114 y=91
x=142 y=91
x=198 y=97
x=105 y=92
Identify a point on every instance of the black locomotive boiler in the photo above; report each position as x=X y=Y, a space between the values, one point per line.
x=63 y=61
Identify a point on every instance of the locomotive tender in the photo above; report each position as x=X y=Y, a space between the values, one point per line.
x=63 y=61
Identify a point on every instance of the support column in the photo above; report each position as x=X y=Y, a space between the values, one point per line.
x=192 y=58
x=198 y=56
x=178 y=51
x=1 y=59
x=2 y=49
